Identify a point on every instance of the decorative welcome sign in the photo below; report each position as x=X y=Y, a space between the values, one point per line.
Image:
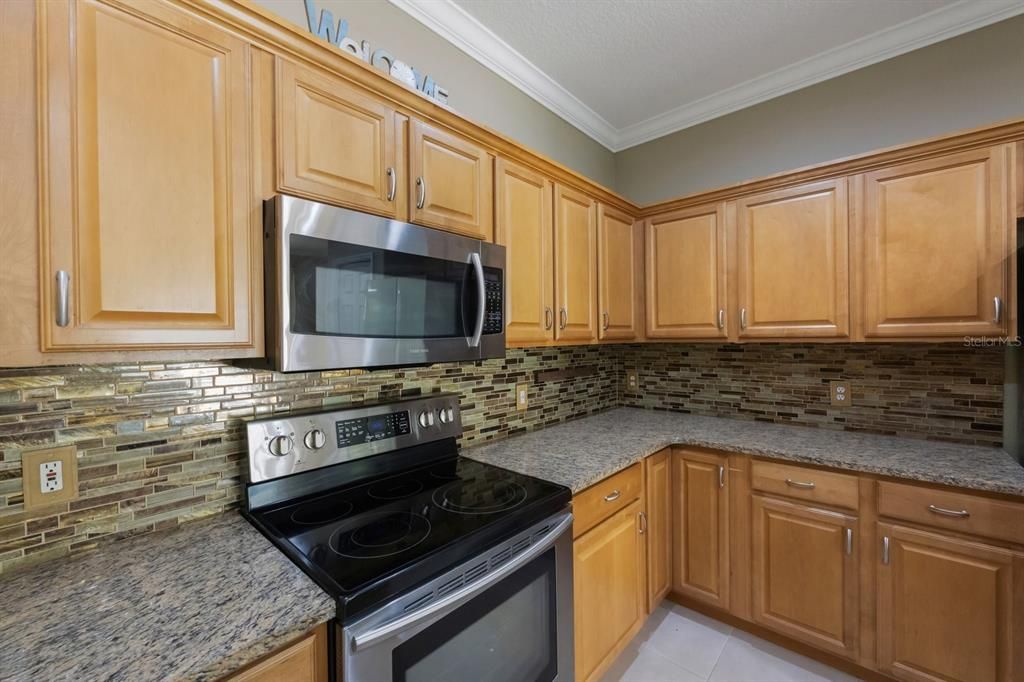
x=337 y=35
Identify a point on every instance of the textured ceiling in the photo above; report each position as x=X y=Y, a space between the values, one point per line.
x=631 y=60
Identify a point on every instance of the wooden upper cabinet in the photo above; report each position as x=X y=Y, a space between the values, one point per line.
x=450 y=182
x=575 y=265
x=146 y=169
x=338 y=144
x=948 y=609
x=792 y=255
x=620 y=292
x=686 y=274
x=658 y=489
x=936 y=238
x=701 y=526
x=524 y=226
x=805 y=581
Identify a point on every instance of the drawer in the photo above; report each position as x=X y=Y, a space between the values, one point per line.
x=956 y=511
x=803 y=483
x=601 y=500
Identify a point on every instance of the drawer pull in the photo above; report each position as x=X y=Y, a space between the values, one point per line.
x=612 y=496
x=960 y=514
x=800 y=484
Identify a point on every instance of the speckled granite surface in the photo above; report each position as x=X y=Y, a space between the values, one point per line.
x=194 y=603
x=582 y=452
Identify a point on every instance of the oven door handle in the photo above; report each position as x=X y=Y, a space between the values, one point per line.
x=481 y=306
x=367 y=639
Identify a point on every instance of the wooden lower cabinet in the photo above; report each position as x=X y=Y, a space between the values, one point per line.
x=609 y=598
x=658 y=490
x=700 y=535
x=948 y=608
x=804 y=575
x=304 y=660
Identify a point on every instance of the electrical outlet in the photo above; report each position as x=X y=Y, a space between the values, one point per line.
x=632 y=381
x=522 y=396
x=49 y=476
x=839 y=393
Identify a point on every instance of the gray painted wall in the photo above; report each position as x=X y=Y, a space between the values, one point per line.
x=964 y=82
x=474 y=91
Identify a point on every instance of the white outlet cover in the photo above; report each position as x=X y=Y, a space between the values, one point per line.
x=51 y=476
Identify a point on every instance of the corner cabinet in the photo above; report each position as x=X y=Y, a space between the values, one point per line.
x=147 y=239
x=701 y=526
x=620 y=284
x=575 y=265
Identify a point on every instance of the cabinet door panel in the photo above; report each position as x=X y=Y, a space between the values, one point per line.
x=792 y=248
x=450 y=182
x=609 y=599
x=575 y=265
x=946 y=608
x=701 y=528
x=805 y=574
x=658 y=489
x=935 y=245
x=525 y=228
x=337 y=143
x=686 y=274
x=147 y=165
x=618 y=273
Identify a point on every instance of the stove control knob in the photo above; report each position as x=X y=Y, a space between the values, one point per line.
x=426 y=419
x=280 y=446
x=446 y=415
x=315 y=439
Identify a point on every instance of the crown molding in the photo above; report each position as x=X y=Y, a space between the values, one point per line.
x=461 y=29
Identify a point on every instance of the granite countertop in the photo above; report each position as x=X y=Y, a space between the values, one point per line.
x=582 y=452
x=194 y=603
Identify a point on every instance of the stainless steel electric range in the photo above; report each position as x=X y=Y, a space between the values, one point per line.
x=443 y=568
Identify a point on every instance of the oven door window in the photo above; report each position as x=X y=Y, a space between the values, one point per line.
x=340 y=289
x=506 y=634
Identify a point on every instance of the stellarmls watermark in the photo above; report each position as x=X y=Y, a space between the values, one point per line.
x=991 y=341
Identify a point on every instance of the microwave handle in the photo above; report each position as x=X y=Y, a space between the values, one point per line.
x=409 y=620
x=481 y=306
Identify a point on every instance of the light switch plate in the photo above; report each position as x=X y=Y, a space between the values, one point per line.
x=33 y=483
x=522 y=396
x=839 y=393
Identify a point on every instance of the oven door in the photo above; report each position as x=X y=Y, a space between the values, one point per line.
x=358 y=290
x=506 y=616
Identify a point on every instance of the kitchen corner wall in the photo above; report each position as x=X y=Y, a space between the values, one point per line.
x=162 y=444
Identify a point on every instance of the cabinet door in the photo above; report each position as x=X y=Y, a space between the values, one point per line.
x=524 y=226
x=146 y=170
x=935 y=246
x=301 y=661
x=618 y=271
x=337 y=143
x=946 y=608
x=701 y=527
x=658 y=488
x=805 y=574
x=575 y=265
x=450 y=182
x=793 y=274
x=686 y=274
x=609 y=600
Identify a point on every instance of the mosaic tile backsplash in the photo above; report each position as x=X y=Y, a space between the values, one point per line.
x=936 y=391
x=162 y=444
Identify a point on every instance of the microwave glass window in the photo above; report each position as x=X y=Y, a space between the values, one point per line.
x=341 y=289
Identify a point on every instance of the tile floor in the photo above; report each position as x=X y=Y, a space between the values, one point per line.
x=680 y=645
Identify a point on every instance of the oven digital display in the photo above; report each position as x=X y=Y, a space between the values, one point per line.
x=368 y=429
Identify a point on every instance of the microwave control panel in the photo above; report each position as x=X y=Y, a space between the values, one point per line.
x=493 y=309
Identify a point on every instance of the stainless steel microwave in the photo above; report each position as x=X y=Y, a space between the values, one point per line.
x=346 y=289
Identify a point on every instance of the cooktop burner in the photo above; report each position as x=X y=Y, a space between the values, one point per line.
x=480 y=496
x=321 y=511
x=380 y=534
x=394 y=490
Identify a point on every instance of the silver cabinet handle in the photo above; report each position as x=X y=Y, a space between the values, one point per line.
x=885 y=550
x=63 y=298
x=997 y=303
x=605 y=316
x=799 y=484
x=849 y=541
x=563 y=318
x=549 y=317
x=392 y=183
x=421 y=189
x=612 y=496
x=721 y=318
x=960 y=514
x=743 y=318
x=643 y=522
x=721 y=476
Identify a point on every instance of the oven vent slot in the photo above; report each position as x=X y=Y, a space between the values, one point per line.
x=521 y=545
x=416 y=603
x=450 y=586
x=541 y=531
x=475 y=572
x=501 y=557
